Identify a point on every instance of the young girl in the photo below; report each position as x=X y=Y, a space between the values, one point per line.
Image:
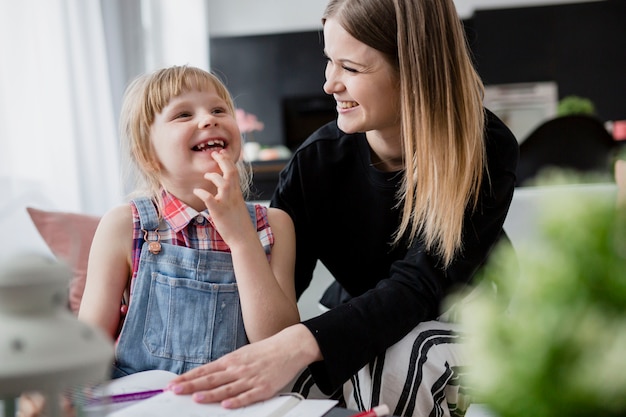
x=206 y=271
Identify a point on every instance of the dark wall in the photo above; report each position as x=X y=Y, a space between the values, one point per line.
x=581 y=46
x=263 y=71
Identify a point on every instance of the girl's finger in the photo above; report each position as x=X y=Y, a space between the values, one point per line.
x=202 y=194
x=226 y=165
x=215 y=178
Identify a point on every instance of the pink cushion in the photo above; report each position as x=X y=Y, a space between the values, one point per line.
x=69 y=237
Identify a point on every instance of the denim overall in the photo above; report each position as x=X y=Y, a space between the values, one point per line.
x=184 y=310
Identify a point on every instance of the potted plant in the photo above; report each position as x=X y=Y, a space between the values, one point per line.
x=552 y=342
x=573 y=104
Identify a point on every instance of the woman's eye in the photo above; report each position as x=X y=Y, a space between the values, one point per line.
x=329 y=61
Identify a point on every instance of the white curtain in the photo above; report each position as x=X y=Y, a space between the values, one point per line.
x=63 y=67
x=57 y=128
x=176 y=33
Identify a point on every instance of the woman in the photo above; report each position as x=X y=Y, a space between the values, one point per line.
x=402 y=199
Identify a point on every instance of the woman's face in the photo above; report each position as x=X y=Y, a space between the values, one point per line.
x=362 y=82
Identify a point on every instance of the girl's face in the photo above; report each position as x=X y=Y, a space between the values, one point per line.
x=362 y=82
x=186 y=132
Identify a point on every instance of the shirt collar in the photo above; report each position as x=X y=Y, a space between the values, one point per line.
x=178 y=214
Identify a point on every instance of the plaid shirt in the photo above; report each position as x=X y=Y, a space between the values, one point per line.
x=183 y=226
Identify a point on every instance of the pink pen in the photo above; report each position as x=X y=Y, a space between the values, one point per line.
x=122 y=398
x=378 y=411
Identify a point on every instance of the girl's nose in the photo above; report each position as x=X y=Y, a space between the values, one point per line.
x=207 y=121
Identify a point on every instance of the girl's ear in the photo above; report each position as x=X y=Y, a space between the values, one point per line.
x=151 y=161
x=154 y=166
x=151 y=165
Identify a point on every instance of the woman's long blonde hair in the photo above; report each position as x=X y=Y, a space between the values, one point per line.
x=145 y=97
x=442 y=114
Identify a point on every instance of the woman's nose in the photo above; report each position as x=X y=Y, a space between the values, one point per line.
x=332 y=83
x=328 y=87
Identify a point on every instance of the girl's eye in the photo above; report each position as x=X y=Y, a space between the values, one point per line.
x=219 y=110
x=183 y=115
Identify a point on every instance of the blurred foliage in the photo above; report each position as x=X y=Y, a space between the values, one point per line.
x=555 y=175
x=553 y=341
x=571 y=105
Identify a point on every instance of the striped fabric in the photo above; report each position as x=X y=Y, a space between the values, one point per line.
x=418 y=376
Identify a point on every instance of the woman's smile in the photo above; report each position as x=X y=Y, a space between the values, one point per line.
x=344 y=105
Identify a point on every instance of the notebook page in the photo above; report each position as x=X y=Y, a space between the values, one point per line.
x=169 y=404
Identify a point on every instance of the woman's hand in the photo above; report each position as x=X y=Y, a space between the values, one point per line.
x=252 y=373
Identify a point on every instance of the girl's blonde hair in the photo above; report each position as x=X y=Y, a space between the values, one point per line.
x=442 y=114
x=145 y=97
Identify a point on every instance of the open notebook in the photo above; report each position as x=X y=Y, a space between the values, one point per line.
x=169 y=404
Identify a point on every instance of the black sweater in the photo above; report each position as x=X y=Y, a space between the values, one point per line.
x=345 y=214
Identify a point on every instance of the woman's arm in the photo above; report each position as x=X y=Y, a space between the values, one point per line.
x=108 y=270
x=352 y=334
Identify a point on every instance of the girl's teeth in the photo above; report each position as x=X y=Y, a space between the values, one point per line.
x=209 y=144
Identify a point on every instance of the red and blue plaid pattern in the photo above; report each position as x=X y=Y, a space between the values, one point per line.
x=187 y=227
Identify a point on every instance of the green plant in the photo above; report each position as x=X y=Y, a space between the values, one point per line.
x=552 y=342
x=570 y=105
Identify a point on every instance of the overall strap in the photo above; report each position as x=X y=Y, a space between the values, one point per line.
x=148 y=215
x=149 y=223
x=252 y=212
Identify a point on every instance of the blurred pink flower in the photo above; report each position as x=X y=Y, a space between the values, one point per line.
x=247 y=122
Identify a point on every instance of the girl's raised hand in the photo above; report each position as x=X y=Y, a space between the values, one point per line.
x=227 y=206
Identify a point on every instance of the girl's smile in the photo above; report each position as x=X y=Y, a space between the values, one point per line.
x=209 y=145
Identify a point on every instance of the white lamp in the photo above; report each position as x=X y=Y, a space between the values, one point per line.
x=43 y=347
